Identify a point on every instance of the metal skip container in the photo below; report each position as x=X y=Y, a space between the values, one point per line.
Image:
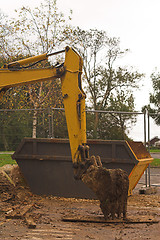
x=46 y=164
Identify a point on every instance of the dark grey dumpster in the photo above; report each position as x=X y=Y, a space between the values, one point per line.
x=47 y=166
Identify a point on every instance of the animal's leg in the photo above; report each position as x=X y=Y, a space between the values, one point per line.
x=113 y=209
x=105 y=209
x=125 y=209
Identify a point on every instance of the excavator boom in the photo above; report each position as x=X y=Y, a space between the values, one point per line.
x=15 y=74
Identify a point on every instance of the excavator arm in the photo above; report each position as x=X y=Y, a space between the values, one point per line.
x=15 y=74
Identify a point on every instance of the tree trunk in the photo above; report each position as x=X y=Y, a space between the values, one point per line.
x=34 y=130
x=122 y=127
x=95 y=125
x=5 y=143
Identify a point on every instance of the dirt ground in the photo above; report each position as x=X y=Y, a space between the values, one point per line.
x=47 y=215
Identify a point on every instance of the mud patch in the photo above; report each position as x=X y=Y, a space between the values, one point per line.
x=12 y=185
x=15 y=195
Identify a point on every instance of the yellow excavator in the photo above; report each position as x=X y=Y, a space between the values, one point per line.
x=20 y=73
x=15 y=74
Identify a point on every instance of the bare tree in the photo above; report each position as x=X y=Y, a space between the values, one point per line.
x=104 y=78
x=33 y=32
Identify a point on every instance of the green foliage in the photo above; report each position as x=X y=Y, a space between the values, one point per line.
x=109 y=87
x=155 y=163
x=14 y=127
x=17 y=124
x=108 y=127
x=154 y=150
x=103 y=76
x=154 y=106
x=60 y=126
x=34 y=31
x=6 y=159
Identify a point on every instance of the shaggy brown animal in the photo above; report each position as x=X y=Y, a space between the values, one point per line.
x=110 y=186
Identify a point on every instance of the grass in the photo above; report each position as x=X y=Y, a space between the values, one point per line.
x=155 y=163
x=6 y=159
x=154 y=150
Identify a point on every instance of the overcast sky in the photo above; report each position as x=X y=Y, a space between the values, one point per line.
x=135 y=22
